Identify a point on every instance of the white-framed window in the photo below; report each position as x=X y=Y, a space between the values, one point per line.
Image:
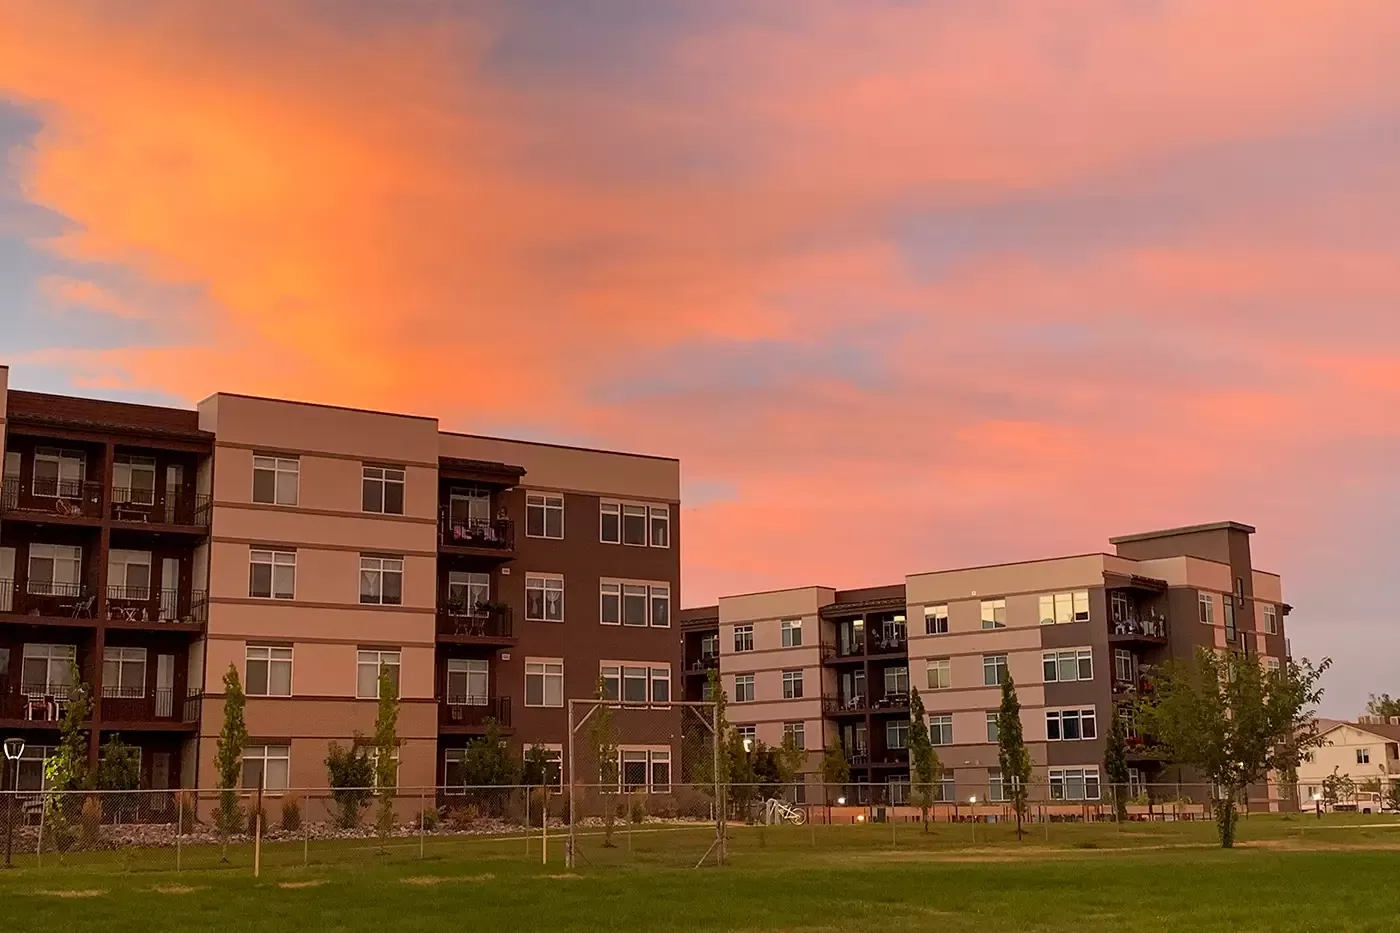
x=544 y=516
x=1206 y=608
x=660 y=595
x=660 y=525
x=896 y=733
x=275 y=480
x=1363 y=756
x=634 y=525
x=1070 y=725
x=940 y=673
x=273 y=763
x=55 y=570
x=1124 y=666
x=993 y=613
x=993 y=669
x=29 y=771
x=544 y=682
x=381 y=581
x=609 y=603
x=661 y=684
x=940 y=730
x=468 y=509
x=128 y=574
x=636 y=683
x=792 y=685
x=1119 y=607
x=47 y=669
x=897 y=681
x=57 y=473
x=12 y=460
x=272 y=574
x=454 y=770
x=935 y=620
x=468 y=589
x=1070 y=664
x=1064 y=608
x=468 y=681
x=368 y=663
x=610 y=522
x=374 y=763
x=634 y=604
x=1271 y=620
x=267 y=671
x=134 y=479
x=747 y=733
x=382 y=490
x=798 y=731
x=644 y=769
x=1272 y=665
x=553 y=764
x=544 y=598
x=993 y=727
x=792 y=633
x=1074 y=783
x=743 y=688
x=743 y=638
x=123 y=672
x=996 y=787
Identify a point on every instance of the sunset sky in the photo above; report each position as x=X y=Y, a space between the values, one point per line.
x=905 y=285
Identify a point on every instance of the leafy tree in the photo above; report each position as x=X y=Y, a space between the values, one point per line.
x=386 y=743
x=788 y=759
x=603 y=745
x=743 y=774
x=1390 y=797
x=119 y=767
x=1012 y=756
x=925 y=766
x=489 y=763
x=351 y=776
x=836 y=767
x=228 y=755
x=539 y=767
x=67 y=768
x=1338 y=788
x=1233 y=721
x=1382 y=705
x=1115 y=764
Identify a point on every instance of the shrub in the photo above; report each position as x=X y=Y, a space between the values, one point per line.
x=187 y=812
x=638 y=810
x=463 y=815
x=291 y=814
x=692 y=804
x=428 y=820
x=90 y=822
x=352 y=776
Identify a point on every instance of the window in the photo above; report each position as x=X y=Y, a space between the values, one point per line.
x=128 y=574
x=1206 y=607
x=123 y=672
x=896 y=682
x=610 y=603
x=544 y=516
x=468 y=681
x=1070 y=725
x=610 y=523
x=544 y=683
x=268 y=671
x=134 y=479
x=660 y=525
x=645 y=769
x=373 y=755
x=55 y=570
x=1124 y=666
x=792 y=685
x=1271 y=665
x=272 y=574
x=1119 y=606
x=798 y=732
x=275 y=480
x=946 y=789
x=1063 y=608
x=57 y=472
x=468 y=511
x=12 y=465
x=544 y=598
x=1074 y=664
x=660 y=605
x=634 y=604
x=454 y=770
x=48 y=668
x=1363 y=756
x=29 y=771
x=382 y=490
x=272 y=763
x=661 y=685
x=993 y=613
x=709 y=646
x=743 y=688
x=1074 y=783
x=368 y=665
x=993 y=728
x=747 y=733
x=553 y=761
x=792 y=633
x=940 y=730
x=896 y=733
x=466 y=590
x=381 y=580
x=940 y=673
x=1231 y=633
x=935 y=620
x=707 y=692
x=1271 y=620
x=634 y=525
x=743 y=638
x=993 y=669
x=996 y=787
x=634 y=685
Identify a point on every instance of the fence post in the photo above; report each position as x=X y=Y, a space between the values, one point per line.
x=422 y=818
x=179 y=828
x=257 y=828
x=544 y=830
x=722 y=804
x=527 y=822
x=569 y=856
x=39 y=846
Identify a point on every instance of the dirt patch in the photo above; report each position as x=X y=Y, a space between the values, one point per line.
x=174 y=889
x=428 y=880
x=75 y=893
x=300 y=884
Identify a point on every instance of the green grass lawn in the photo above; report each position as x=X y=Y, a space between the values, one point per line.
x=1289 y=875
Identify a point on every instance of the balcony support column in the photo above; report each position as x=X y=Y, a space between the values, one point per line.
x=99 y=641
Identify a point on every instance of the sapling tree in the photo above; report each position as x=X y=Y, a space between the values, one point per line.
x=386 y=744
x=1012 y=755
x=228 y=756
x=1115 y=764
x=924 y=764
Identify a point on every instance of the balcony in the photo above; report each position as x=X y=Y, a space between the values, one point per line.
x=1151 y=630
x=178 y=509
x=48 y=499
x=471 y=714
x=484 y=624
x=873 y=645
x=157 y=709
x=845 y=706
x=165 y=608
x=487 y=537
x=702 y=665
x=48 y=601
x=33 y=705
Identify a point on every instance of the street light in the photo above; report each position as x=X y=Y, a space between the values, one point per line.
x=840 y=801
x=13 y=749
x=1317 y=803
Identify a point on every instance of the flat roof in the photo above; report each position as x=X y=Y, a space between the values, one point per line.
x=590 y=450
x=1183 y=530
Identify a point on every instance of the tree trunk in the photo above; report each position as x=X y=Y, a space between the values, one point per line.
x=1020 y=807
x=1226 y=819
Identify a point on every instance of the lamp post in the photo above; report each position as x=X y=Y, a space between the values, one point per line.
x=1317 y=804
x=972 y=803
x=13 y=749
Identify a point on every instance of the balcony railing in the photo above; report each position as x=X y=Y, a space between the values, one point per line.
x=496 y=534
x=120 y=705
x=177 y=507
x=703 y=664
x=473 y=712
x=47 y=599
x=484 y=620
x=835 y=706
x=67 y=498
x=140 y=604
x=1151 y=628
x=34 y=702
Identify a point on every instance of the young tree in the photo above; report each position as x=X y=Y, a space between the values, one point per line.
x=538 y=769
x=603 y=746
x=742 y=772
x=386 y=744
x=836 y=767
x=67 y=768
x=1115 y=764
x=1390 y=797
x=119 y=766
x=489 y=764
x=922 y=757
x=1012 y=756
x=1382 y=705
x=1338 y=788
x=1233 y=721
x=228 y=755
x=350 y=773
x=788 y=759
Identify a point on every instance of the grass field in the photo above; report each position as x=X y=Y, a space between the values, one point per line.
x=1288 y=875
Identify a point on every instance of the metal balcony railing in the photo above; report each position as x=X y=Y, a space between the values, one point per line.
x=141 y=604
x=178 y=506
x=496 y=534
x=67 y=498
x=483 y=620
x=473 y=711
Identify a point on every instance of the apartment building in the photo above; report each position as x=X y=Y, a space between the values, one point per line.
x=1078 y=634
x=309 y=548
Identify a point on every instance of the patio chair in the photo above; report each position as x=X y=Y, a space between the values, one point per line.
x=82 y=609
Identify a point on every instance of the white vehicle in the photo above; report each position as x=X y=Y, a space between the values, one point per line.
x=776 y=810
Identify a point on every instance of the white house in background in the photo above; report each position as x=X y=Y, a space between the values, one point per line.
x=1366 y=750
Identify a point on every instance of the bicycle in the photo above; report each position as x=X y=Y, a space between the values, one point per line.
x=777 y=810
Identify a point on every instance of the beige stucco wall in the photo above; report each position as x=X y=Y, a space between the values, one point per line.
x=272 y=424
x=574 y=469
x=1268 y=586
x=1340 y=753
x=1044 y=576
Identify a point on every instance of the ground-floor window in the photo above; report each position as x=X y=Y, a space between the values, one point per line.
x=31 y=767
x=272 y=762
x=1074 y=783
x=646 y=769
x=899 y=792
